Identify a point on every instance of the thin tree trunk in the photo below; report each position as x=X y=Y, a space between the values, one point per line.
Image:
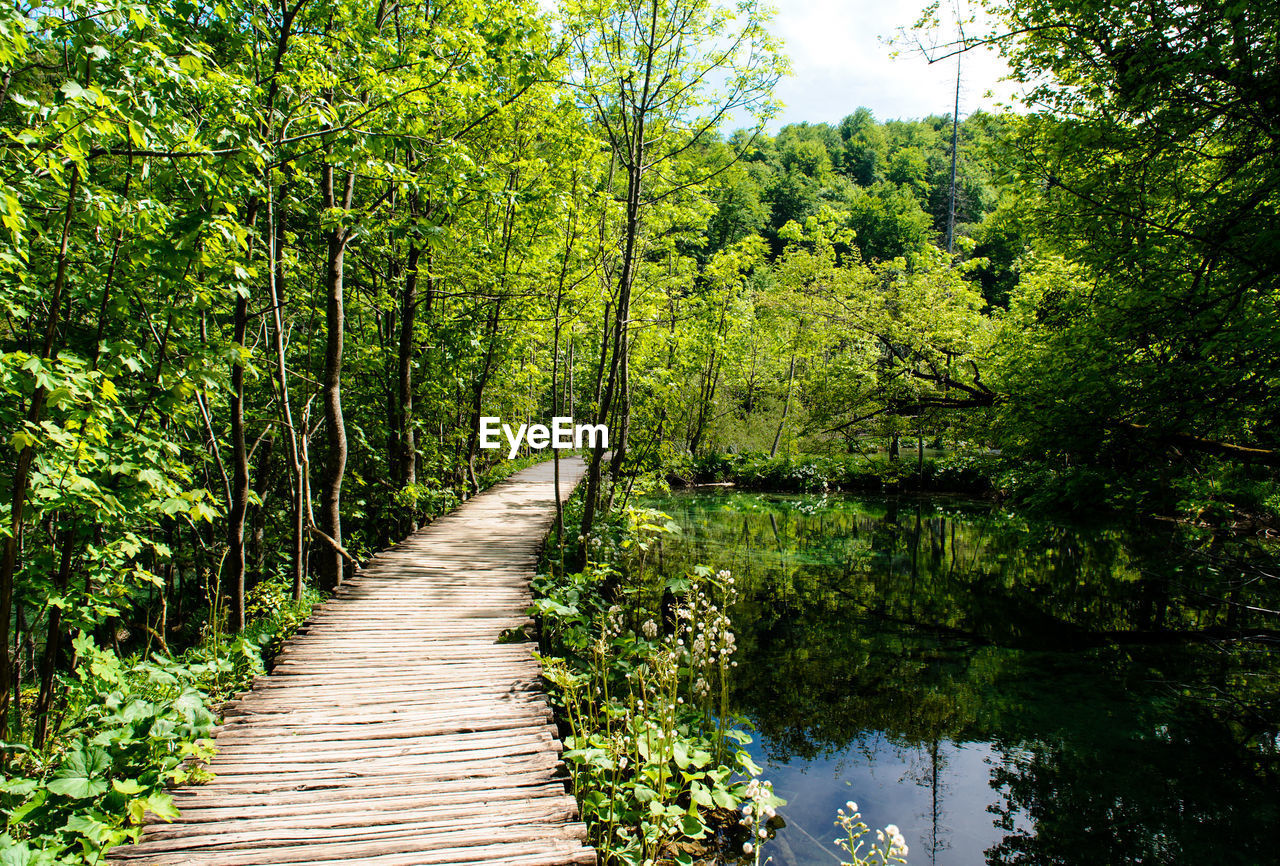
x=618 y=380
x=593 y=466
x=920 y=453
x=556 y=403
x=331 y=563
x=786 y=408
x=239 y=504
x=52 y=643
x=256 y=551
x=275 y=285
x=408 y=316
x=22 y=470
x=477 y=397
x=710 y=380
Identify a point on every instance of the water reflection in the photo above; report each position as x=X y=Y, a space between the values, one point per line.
x=1007 y=692
x=936 y=792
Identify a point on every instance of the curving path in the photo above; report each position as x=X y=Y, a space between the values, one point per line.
x=395 y=728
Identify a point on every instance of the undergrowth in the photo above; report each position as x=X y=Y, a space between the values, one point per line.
x=132 y=727
x=959 y=472
x=639 y=671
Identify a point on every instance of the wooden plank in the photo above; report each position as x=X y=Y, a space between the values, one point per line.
x=391 y=799
x=449 y=846
x=249 y=833
x=274 y=791
x=545 y=852
x=426 y=745
x=289 y=728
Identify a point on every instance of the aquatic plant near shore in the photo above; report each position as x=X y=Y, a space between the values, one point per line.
x=888 y=846
x=641 y=674
x=759 y=809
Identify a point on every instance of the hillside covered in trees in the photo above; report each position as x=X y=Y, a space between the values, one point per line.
x=264 y=266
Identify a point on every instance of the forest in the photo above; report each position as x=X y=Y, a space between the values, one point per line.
x=266 y=264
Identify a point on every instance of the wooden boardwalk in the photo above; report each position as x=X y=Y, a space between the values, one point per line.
x=395 y=728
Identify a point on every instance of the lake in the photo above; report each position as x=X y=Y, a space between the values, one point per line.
x=1005 y=690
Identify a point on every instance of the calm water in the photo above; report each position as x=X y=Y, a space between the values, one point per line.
x=1005 y=692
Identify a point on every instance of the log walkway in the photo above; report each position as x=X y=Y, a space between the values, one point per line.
x=395 y=727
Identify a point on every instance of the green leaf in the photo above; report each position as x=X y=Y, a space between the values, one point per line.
x=161 y=805
x=16 y=816
x=20 y=854
x=723 y=798
x=645 y=794
x=699 y=794
x=77 y=787
x=681 y=752
x=19 y=787
x=72 y=90
x=691 y=825
x=81 y=774
x=90 y=827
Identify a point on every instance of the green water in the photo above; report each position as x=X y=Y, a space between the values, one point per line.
x=1004 y=691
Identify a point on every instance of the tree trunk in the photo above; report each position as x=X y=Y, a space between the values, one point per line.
x=557 y=404
x=593 y=465
x=408 y=315
x=617 y=378
x=786 y=407
x=52 y=644
x=22 y=469
x=710 y=381
x=477 y=397
x=239 y=504
x=331 y=562
x=239 y=477
x=298 y=504
x=920 y=453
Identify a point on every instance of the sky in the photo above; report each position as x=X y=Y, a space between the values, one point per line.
x=840 y=62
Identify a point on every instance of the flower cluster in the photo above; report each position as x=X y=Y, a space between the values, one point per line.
x=890 y=846
x=897 y=842
x=705 y=626
x=756 y=812
x=614 y=622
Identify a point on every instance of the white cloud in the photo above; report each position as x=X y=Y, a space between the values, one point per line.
x=840 y=61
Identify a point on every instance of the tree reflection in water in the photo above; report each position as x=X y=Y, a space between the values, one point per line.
x=1032 y=693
